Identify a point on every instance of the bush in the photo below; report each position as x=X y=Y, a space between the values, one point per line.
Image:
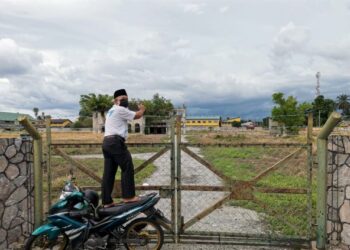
x=236 y=124
x=83 y=122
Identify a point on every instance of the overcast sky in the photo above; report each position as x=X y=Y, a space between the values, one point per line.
x=217 y=57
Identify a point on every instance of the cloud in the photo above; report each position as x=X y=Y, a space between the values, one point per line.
x=338 y=51
x=180 y=43
x=189 y=52
x=224 y=9
x=290 y=40
x=15 y=59
x=193 y=8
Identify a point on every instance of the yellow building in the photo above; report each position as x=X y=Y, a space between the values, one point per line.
x=61 y=123
x=203 y=121
x=236 y=119
x=229 y=121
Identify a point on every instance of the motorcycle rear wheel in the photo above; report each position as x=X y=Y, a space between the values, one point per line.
x=146 y=232
x=36 y=242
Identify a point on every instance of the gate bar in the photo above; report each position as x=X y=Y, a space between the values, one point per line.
x=276 y=165
x=205 y=163
x=150 y=160
x=79 y=165
x=205 y=212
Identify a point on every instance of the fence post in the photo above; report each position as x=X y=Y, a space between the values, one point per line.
x=172 y=173
x=309 y=168
x=38 y=184
x=48 y=159
x=178 y=177
x=322 y=156
x=310 y=124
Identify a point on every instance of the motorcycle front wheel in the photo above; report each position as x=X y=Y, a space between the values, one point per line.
x=143 y=233
x=36 y=242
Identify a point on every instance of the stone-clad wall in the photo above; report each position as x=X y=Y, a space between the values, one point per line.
x=16 y=196
x=338 y=200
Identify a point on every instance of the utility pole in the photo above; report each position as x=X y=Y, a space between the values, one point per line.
x=318 y=76
x=319 y=118
x=318 y=93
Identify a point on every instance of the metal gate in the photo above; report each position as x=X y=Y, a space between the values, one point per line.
x=254 y=199
x=266 y=200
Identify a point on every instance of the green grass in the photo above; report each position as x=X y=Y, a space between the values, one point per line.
x=284 y=214
x=227 y=160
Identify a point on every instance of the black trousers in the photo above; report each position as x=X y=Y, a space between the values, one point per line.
x=117 y=154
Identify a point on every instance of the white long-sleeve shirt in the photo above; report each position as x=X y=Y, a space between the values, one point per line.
x=117 y=121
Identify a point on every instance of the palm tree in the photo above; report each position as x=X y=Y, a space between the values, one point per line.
x=36 y=111
x=343 y=103
x=92 y=102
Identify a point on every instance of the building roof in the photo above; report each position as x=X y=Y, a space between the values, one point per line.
x=203 y=118
x=59 y=121
x=8 y=116
x=230 y=119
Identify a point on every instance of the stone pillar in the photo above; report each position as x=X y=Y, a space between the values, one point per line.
x=338 y=196
x=16 y=196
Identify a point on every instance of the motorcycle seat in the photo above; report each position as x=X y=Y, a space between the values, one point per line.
x=122 y=207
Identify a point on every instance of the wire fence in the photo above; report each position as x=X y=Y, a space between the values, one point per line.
x=261 y=192
x=252 y=192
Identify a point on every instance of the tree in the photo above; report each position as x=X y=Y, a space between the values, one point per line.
x=160 y=106
x=343 y=104
x=83 y=122
x=133 y=104
x=94 y=103
x=36 y=111
x=305 y=108
x=288 y=113
x=157 y=106
x=236 y=124
x=322 y=107
x=158 y=109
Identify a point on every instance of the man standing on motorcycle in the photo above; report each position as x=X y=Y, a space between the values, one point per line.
x=115 y=151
